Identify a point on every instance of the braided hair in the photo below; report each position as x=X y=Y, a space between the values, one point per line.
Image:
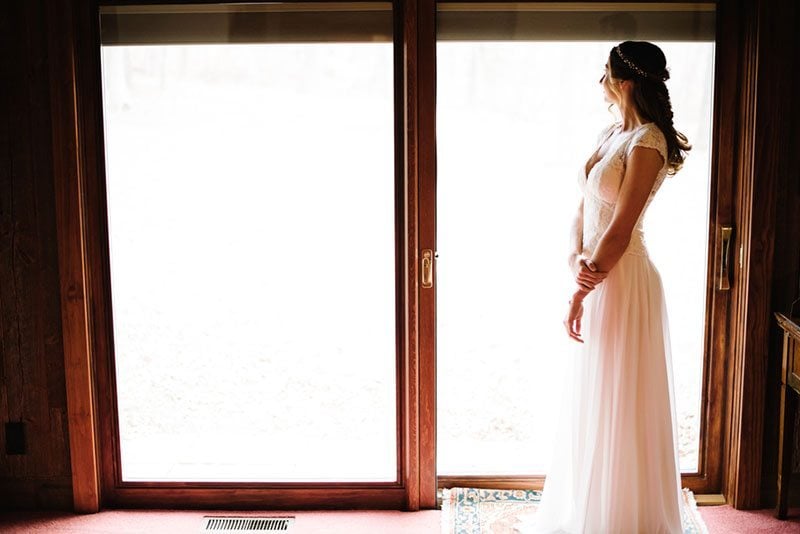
x=645 y=64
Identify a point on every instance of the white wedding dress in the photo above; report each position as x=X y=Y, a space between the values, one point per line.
x=615 y=467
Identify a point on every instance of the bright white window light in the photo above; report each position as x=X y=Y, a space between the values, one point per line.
x=516 y=122
x=252 y=243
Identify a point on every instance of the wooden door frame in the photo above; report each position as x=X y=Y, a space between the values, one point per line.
x=733 y=464
x=79 y=169
x=419 y=111
x=708 y=478
x=767 y=82
x=70 y=166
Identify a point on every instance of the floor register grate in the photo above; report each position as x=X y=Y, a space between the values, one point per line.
x=243 y=525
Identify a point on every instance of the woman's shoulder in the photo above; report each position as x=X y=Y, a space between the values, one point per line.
x=651 y=129
x=649 y=135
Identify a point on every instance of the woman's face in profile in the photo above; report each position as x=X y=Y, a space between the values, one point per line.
x=609 y=94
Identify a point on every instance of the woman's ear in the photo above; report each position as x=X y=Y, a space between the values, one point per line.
x=625 y=87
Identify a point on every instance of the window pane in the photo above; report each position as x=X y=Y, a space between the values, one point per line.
x=251 y=227
x=516 y=121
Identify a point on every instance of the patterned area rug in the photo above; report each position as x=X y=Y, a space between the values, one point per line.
x=486 y=511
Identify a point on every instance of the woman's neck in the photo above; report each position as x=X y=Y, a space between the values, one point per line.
x=630 y=118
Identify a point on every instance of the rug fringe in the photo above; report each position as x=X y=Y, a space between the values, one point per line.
x=698 y=519
x=446 y=516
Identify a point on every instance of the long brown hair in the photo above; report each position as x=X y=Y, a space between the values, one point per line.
x=645 y=64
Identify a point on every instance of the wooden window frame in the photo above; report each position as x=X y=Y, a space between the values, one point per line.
x=731 y=443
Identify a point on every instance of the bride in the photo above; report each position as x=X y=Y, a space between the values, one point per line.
x=615 y=466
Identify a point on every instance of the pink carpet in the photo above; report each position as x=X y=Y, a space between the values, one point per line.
x=719 y=519
x=725 y=520
x=180 y=522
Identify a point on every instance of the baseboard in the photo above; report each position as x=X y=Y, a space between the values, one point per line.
x=769 y=492
x=769 y=495
x=35 y=493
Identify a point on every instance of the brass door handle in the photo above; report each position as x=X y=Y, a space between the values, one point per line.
x=427 y=268
x=724 y=263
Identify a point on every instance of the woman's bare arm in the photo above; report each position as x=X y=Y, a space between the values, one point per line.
x=583 y=278
x=576 y=235
x=637 y=184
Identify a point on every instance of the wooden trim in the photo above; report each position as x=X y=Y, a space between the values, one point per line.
x=695 y=482
x=708 y=478
x=759 y=142
x=733 y=478
x=87 y=119
x=239 y=498
x=426 y=117
x=709 y=499
x=789 y=388
x=50 y=493
x=790 y=328
x=266 y=496
x=410 y=137
x=95 y=221
x=535 y=482
x=744 y=468
x=402 y=319
x=77 y=162
x=68 y=168
x=703 y=483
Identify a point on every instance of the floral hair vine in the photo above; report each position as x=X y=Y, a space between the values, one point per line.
x=635 y=68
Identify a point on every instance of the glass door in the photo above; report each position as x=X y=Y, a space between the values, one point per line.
x=250 y=179
x=518 y=110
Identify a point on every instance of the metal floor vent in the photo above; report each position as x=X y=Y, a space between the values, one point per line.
x=246 y=524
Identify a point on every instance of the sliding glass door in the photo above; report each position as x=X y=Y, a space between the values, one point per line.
x=251 y=192
x=336 y=237
x=518 y=110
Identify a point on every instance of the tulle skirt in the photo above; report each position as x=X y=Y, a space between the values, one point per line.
x=615 y=465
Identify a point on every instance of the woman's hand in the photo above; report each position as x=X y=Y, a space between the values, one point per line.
x=585 y=272
x=572 y=322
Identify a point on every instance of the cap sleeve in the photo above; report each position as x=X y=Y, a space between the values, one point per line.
x=649 y=137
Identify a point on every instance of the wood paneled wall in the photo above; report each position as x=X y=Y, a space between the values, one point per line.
x=32 y=387
x=779 y=134
x=32 y=377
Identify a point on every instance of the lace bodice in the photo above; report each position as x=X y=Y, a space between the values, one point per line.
x=601 y=188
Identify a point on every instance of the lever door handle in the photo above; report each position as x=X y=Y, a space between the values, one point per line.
x=427 y=268
x=724 y=263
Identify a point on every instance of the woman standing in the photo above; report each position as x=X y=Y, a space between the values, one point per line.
x=615 y=467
